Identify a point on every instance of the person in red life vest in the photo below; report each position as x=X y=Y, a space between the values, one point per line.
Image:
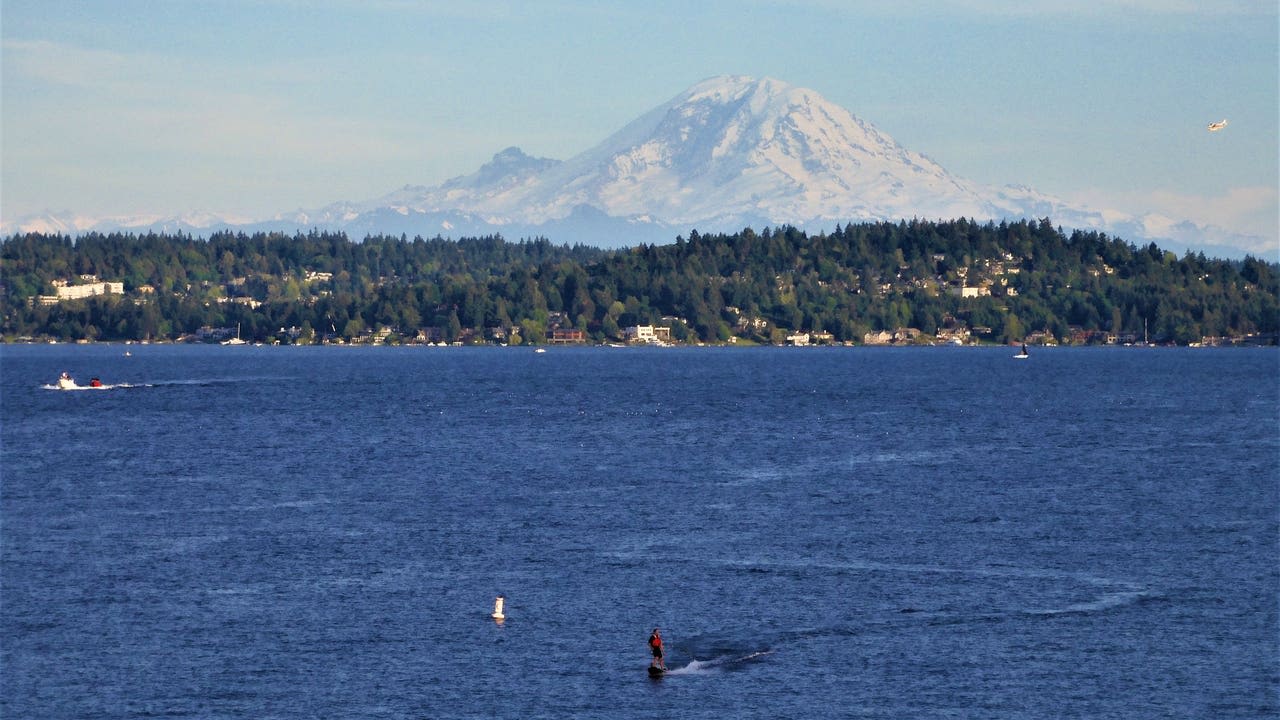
x=655 y=644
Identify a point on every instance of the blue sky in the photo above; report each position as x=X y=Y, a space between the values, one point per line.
x=253 y=108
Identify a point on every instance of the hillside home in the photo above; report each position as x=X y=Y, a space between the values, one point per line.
x=78 y=292
x=648 y=334
x=566 y=337
x=965 y=291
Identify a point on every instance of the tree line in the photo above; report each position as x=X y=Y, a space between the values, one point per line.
x=1003 y=280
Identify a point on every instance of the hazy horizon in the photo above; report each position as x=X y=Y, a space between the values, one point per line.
x=248 y=109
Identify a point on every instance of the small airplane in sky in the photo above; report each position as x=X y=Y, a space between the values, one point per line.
x=1216 y=126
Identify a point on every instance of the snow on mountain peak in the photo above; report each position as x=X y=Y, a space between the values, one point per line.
x=741 y=150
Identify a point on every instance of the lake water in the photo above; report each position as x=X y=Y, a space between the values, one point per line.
x=256 y=532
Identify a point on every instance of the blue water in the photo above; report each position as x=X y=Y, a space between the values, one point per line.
x=253 y=532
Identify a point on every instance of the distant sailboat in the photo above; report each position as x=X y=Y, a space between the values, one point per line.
x=235 y=340
x=1024 y=354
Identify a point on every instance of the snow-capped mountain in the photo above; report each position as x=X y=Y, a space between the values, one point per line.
x=67 y=223
x=728 y=153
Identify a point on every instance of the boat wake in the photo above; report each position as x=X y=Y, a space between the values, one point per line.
x=1039 y=592
x=720 y=663
x=1108 y=601
x=129 y=386
x=75 y=388
x=938 y=596
x=725 y=661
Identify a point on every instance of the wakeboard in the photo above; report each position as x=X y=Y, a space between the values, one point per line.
x=655 y=671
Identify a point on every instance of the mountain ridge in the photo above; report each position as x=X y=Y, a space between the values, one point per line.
x=729 y=152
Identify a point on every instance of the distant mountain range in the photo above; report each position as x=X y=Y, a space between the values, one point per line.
x=728 y=153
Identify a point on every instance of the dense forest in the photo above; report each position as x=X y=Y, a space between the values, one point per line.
x=983 y=282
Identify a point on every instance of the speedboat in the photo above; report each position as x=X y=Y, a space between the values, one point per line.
x=66 y=382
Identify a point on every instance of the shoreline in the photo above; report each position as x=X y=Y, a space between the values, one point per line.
x=1244 y=342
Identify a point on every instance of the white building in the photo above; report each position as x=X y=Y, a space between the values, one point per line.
x=79 y=292
x=965 y=291
x=648 y=334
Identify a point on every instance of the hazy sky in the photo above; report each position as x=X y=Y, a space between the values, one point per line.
x=250 y=108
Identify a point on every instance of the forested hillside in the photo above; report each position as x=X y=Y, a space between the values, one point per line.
x=957 y=280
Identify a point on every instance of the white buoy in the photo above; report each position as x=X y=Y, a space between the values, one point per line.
x=497 y=609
